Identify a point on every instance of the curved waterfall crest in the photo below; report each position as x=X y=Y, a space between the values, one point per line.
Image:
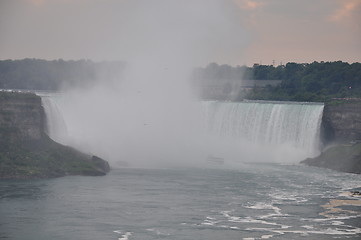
x=266 y=123
x=250 y=131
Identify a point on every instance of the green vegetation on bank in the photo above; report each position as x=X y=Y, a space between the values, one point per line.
x=316 y=82
x=46 y=159
x=27 y=152
x=37 y=74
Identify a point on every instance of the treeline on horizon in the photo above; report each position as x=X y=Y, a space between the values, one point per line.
x=38 y=74
x=317 y=81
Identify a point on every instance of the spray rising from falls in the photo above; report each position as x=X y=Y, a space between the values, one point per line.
x=149 y=114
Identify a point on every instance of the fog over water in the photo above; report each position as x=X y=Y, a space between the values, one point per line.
x=152 y=116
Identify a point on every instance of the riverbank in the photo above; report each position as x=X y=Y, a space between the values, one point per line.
x=26 y=151
x=47 y=159
x=343 y=157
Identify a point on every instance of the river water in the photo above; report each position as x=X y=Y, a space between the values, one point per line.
x=251 y=201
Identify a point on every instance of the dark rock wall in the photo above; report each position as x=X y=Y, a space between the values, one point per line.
x=342 y=122
x=27 y=152
x=21 y=118
x=341 y=128
x=343 y=158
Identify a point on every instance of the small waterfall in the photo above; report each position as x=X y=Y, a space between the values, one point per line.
x=267 y=124
x=55 y=124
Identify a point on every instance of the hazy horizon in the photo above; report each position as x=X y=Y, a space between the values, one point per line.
x=273 y=31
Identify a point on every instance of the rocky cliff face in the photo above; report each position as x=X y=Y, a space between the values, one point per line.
x=27 y=152
x=21 y=117
x=342 y=129
x=342 y=122
x=343 y=158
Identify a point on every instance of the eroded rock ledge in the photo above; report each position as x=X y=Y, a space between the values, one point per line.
x=344 y=158
x=27 y=152
x=341 y=134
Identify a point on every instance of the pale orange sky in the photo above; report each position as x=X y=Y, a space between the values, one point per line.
x=304 y=31
x=233 y=32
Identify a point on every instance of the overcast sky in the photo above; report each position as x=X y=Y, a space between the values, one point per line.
x=232 y=32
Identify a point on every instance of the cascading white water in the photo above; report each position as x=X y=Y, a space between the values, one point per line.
x=267 y=124
x=55 y=124
x=236 y=131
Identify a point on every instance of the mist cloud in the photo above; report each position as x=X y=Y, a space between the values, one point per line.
x=150 y=116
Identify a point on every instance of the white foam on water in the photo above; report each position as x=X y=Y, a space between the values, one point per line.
x=267 y=206
x=260 y=205
x=291 y=197
x=234 y=228
x=210 y=221
x=251 y=220
x=337 y=223
x=125 y=236
x=308 y=226
x=327 y=231
x=266 y=236
x=260 y=229
x=157 y=232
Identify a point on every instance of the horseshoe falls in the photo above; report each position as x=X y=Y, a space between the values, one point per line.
x=250 y=131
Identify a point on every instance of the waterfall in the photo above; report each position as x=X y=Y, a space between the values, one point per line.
x=271 y=125
x=236 y=131
x=55 y=125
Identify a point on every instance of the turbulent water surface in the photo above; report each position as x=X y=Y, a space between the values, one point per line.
x=255 y=201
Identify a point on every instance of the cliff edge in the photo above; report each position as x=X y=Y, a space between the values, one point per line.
x=341 y=129
x=341 y=121
x=27 y=152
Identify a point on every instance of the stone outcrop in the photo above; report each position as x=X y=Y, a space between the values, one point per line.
x=342 y=122
x=27 y=152
x=341 y=128
x=21 y=117
x=343 y=157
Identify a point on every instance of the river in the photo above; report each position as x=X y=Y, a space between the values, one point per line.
x=250 y=201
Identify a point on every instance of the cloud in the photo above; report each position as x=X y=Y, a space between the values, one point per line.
x=36 y=2
x=346 y=10
x=248 y=4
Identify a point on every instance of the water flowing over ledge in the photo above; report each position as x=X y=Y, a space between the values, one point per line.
x=249 y=131
x=267 y=124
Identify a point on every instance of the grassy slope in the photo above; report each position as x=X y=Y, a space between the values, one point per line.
x=45 y=159
x=41 y=158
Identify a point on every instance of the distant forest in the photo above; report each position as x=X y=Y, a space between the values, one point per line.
x=317 y=81
x=36 y=74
